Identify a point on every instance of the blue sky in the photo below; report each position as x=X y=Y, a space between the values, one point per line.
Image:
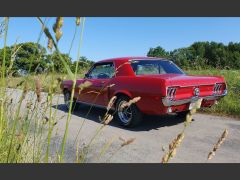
x=106 y=37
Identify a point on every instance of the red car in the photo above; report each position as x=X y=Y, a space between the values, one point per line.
x=163 y=87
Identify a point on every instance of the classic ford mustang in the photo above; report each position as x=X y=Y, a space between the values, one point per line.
x=163 y=87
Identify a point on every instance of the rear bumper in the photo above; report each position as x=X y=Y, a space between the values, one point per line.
x=168 y=102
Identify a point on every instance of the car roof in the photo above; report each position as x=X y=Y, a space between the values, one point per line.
x=130 y=58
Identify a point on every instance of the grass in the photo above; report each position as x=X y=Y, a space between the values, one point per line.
x=15 y=82
x=27 y=122
x=230 y=104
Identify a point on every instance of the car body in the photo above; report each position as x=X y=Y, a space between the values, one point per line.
x=163 y=87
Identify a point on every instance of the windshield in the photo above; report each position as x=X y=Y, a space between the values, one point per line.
x=145 y=67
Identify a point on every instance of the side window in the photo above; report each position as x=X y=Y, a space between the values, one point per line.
x=102 y=71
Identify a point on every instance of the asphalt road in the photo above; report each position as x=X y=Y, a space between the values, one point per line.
x=151 y=137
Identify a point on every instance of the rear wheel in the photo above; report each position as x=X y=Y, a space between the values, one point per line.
x=67 y=100
x=127 y=116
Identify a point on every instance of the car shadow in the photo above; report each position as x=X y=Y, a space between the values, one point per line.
x=150 y=122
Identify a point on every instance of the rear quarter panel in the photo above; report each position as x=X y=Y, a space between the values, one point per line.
x=150 y=90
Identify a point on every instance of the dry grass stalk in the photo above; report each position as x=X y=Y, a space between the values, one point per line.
x=38 y=89
x=172 y=150
x=218 y=144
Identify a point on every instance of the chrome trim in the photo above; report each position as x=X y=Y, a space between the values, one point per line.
x=168 y=102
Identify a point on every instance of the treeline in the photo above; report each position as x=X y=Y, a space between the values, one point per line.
x=202 y=55
x=32 y=57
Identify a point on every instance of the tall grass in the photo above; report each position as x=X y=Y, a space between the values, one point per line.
x=27 y=122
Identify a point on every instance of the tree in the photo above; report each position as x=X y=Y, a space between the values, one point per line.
x=158 y=52
x=202 y=55
x=56 y=64
x=26 y=56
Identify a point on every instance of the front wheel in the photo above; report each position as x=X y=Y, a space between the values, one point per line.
x=127 y=116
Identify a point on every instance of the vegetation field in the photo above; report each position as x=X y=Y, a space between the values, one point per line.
x=229 y=105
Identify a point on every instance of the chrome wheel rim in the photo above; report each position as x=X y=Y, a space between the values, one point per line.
x=67 y=99
x=124 y=114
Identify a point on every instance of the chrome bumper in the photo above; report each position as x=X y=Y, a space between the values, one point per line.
x=168 y=102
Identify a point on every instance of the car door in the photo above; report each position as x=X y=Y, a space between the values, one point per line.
x=100 y=77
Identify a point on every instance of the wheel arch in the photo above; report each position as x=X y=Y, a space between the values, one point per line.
x=123 y=93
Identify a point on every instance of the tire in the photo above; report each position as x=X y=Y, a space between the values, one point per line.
x=67 y=96
x=128 y=117
x=183 y=114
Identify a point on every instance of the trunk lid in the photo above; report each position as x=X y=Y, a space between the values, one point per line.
x=187 y=85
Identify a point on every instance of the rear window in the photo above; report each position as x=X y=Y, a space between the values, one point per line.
x=145 y=67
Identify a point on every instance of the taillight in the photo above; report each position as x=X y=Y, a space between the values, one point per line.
x=218 y=88
x=171 y=92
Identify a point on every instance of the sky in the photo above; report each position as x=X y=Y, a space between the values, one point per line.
x=108 y=37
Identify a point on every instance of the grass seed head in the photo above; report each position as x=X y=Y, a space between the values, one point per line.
x=38 y=89
x=111 y=102
x=57 y=28
x=127 y=142
x=50 y=44
x=198 y=104
x=193 y=111
x=172 y=151
x=165 y=158
x=218 y=144
x=108 y=119
x=85 y=84
x=58 y=35
x=78 y=20
x=130 y=102
x=25 y=90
